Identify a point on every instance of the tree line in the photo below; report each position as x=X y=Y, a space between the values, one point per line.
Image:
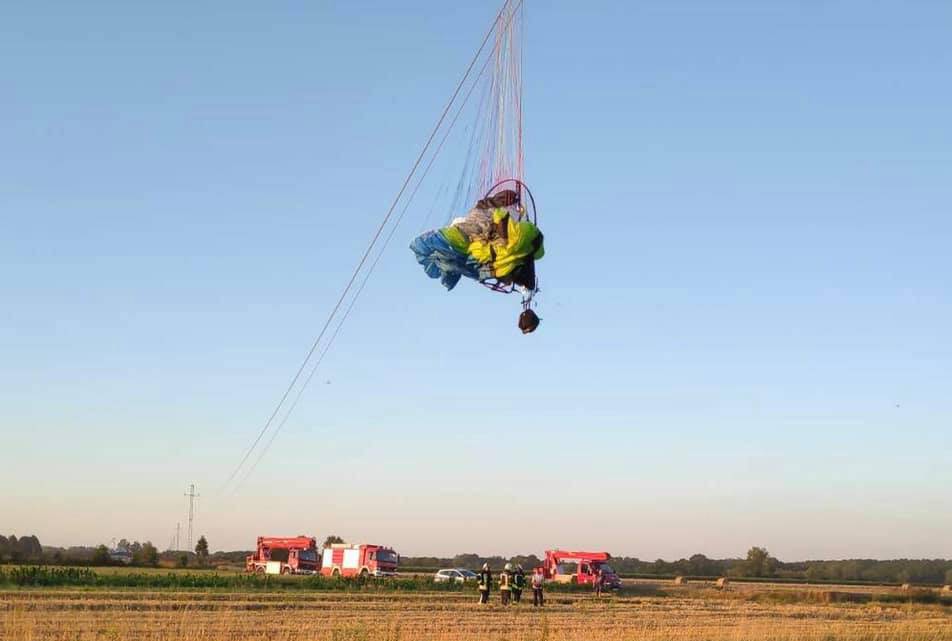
x=758 y=563
x=28 y=549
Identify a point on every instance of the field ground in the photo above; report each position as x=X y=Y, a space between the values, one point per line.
x=647 y=611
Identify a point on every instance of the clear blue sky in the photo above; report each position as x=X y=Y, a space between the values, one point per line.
x=746 y=301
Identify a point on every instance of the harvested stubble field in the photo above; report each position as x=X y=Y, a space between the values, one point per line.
x=689 y=615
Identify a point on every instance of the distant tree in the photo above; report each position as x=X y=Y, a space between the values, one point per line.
x=759 y=563
x=137 y=558
x=700 y=565
x=332 y=539
x=527 y=562
x=201 y=549
x=471 y=561
x=660 y=566
x=815 y=572
x=13 y=549
x=101 y=556
x=183 y=561
x=150 y=554
x=29 y=548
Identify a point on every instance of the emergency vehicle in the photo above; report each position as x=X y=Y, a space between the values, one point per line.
x=580 y=568
x=359 y=559
x=284 y=555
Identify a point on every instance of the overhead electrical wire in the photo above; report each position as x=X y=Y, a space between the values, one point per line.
x=369 y=272
x=373 y=242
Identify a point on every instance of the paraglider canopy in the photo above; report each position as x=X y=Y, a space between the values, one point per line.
x=493 y=235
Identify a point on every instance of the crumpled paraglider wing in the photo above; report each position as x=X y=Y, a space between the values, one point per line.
x=524 y=243
x=440 y=260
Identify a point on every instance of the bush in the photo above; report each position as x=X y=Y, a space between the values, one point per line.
x=41 y=576
x=45 y=576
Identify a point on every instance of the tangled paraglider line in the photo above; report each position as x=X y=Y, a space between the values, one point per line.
x=499 y=25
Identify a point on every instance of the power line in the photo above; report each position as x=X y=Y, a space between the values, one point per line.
x=370 y=247
x=363 y=283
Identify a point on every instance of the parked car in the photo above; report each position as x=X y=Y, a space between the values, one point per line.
x=457 y=575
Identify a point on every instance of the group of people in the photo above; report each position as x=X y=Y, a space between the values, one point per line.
x=512 y=581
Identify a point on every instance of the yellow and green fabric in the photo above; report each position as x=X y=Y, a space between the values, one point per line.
x=449 y=254
x=519 y=247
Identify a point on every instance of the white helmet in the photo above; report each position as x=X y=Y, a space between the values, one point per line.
x=509 y=567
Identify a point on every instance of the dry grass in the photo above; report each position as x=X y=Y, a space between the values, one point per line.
x=689 y=615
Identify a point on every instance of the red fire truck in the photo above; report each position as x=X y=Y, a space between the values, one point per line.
x=361 y=559
x=284 y=555
x=580 y=568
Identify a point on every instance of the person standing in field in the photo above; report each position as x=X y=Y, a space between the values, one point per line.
x=598 y=582
x=518 y=584
x=538 y=580
x=484 y=581
x=505 y=584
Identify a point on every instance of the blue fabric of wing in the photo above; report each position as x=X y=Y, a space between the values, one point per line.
x=440 y=260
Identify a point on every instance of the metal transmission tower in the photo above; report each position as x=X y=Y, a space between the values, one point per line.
x=191 y=512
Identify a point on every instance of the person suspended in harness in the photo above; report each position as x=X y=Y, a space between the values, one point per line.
x=538 y=581
x=518 y=584
x=509 y=252
x=484 y=581
x=505 y=584
x=478 y=223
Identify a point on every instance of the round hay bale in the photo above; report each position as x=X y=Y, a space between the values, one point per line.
x=722 y=582
x=830 y=596
x=680 y=580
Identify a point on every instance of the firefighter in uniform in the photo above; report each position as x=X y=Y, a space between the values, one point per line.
x=518 y=584
x=505 y=584
x=484 y=582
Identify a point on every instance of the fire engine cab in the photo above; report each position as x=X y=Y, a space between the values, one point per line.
x=580 y=568
x=361 y=559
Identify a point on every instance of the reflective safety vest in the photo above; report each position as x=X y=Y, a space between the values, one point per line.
x=504 y=581
x=520 y=581
x=485 y=579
